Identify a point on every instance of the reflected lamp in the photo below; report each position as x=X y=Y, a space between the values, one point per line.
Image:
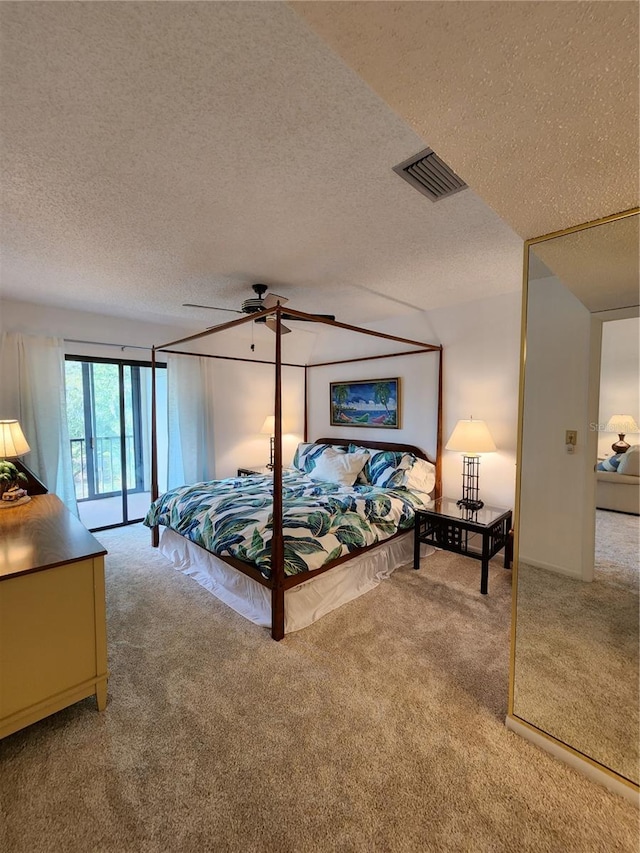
x=471 y=437
x=622 y=424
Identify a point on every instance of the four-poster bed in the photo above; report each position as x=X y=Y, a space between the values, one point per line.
x=273 y=565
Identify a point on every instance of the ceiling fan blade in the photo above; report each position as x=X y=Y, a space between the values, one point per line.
x=312 y=319
x=272 y=299
x=212 y=307
x=271 y=323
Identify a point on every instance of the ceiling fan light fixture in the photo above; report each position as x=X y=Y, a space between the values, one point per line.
x=252 y=306
x=259 y=303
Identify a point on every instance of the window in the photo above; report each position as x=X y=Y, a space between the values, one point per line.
x=109 y=418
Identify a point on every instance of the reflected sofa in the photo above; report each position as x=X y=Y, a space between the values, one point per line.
x=618 y=482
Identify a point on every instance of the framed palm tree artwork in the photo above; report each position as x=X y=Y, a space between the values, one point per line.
x=372 y=403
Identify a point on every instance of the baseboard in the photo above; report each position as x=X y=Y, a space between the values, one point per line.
x=596 y=772
x=550 y=567
x=619 y=511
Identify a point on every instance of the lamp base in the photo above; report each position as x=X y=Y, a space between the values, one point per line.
x=621 y=445
x=470 y=477
x=468 y=503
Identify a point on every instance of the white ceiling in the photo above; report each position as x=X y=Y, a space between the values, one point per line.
x=160 y=153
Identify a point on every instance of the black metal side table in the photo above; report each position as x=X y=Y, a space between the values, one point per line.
x=252 y=472
x=476 y=533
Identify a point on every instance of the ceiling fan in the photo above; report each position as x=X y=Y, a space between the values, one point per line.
x=260 y=302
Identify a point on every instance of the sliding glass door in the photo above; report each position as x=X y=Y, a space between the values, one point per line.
x=109 y=416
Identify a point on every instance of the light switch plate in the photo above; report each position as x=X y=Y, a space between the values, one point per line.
x=571 y=437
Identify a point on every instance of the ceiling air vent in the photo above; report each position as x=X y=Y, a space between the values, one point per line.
x=428 y=174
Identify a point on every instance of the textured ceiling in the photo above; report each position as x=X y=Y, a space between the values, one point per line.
x=599 y=265
x=534 y=104
x=160 y=153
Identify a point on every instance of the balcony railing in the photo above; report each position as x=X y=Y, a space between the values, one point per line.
x=107 y=473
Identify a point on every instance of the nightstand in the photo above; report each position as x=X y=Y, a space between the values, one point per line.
x=258 y=471
x=479 y=533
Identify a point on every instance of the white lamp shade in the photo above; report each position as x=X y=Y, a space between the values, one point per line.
x=622 y=424
x=269 y=425
x=12 y=440
x=470 y=437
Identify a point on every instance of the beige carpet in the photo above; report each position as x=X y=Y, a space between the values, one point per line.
x=576 y=673
x=379 y=728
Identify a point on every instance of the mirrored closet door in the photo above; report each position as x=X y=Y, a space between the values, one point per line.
x=574 y=668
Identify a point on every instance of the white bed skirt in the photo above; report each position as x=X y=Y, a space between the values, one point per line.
x=303 y=604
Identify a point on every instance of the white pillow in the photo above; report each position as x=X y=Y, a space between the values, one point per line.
x=307 y=454
x=341 y=468
x=421 y=477
x=630 y=462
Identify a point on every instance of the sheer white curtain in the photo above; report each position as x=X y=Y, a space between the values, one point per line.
x=190 y=419
x=33 y=391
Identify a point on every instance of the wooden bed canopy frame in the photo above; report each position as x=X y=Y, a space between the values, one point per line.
x=279 y=582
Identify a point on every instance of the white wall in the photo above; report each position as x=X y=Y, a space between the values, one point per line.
x=554 y=512
x=481 y=363
x=481 y=341
x=244 y=396
x=619 y=386
x=244 y=393
x=418 y=376
x=43 y=320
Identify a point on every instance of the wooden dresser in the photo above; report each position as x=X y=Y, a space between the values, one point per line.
x=53 y=638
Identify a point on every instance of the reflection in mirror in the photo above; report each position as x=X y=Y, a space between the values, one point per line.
x=575 y=666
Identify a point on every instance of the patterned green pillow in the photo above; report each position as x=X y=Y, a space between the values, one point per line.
x=384 y=468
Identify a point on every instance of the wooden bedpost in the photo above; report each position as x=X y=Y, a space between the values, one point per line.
x=277 y=547
x=155 y=533
x=306 y=403
x=438 y=488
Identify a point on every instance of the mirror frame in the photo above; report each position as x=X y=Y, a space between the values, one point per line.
x=565 y=752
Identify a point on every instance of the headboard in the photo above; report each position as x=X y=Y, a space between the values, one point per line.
x=377 y=445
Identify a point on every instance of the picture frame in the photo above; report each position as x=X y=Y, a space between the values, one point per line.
x=365 y=403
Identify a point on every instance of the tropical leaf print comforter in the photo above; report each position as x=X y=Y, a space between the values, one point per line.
x=321 y=521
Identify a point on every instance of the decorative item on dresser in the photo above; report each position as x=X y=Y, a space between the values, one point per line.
x=471 y=438
x=53 y=638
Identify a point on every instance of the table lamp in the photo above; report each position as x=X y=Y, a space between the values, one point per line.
x=471 y=437
x=12 y=444
x=622 y=424
x=269 y=428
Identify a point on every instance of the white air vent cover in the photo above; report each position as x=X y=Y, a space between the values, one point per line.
x=428 y=174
